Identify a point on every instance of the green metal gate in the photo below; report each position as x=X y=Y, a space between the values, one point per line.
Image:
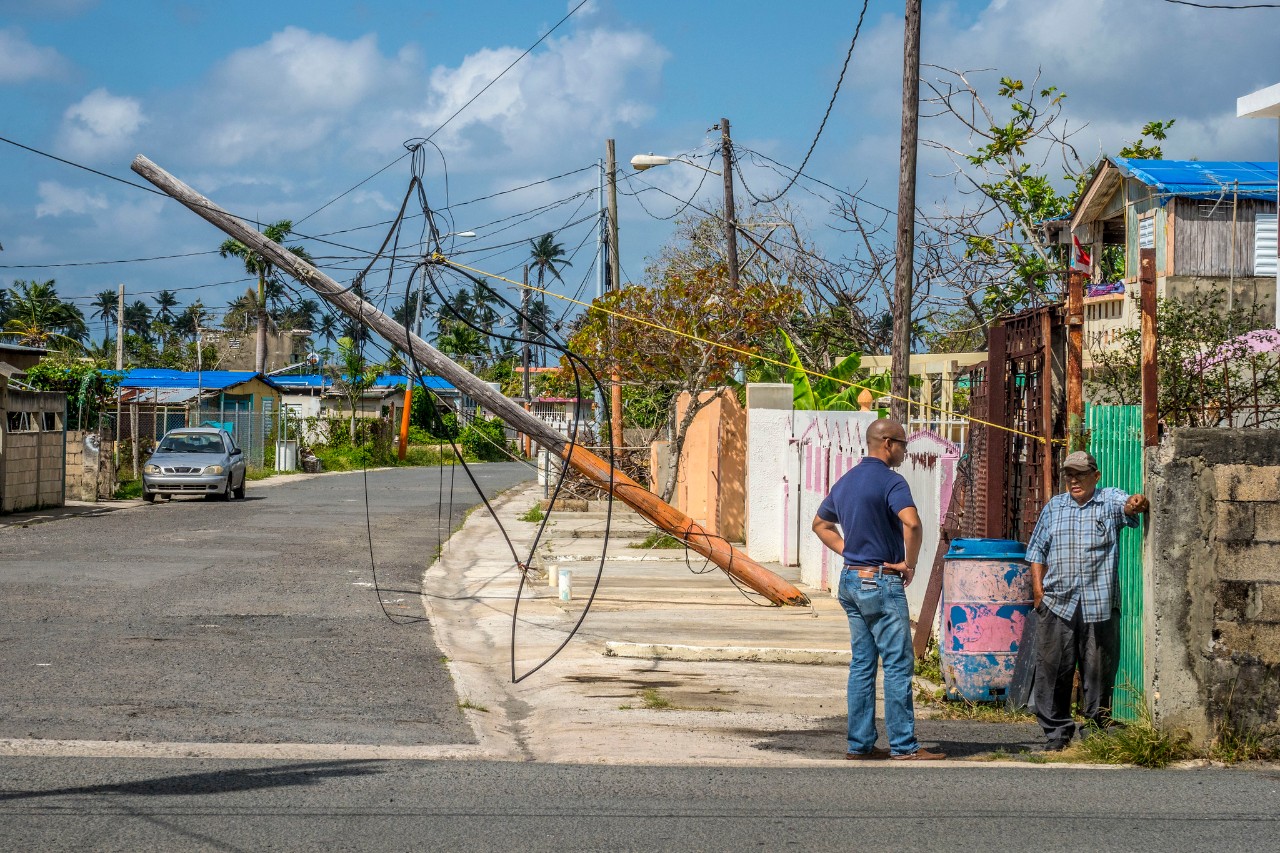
x=1115 y=440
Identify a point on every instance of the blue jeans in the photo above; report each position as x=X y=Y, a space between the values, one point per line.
x=879 y=627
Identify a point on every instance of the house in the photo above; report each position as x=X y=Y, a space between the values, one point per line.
x=14 y=359
x=309 y=397
x=245 y=404
x=1212 y=225
x=237 y=350
x=32 y=448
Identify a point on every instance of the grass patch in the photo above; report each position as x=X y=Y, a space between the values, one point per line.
x=1232 y=745
x=653 y=700
x=128 y=490
x=658 y=539
x=533 y=515
x=930 y=666
x=263 y=473
x=468 y=705
x=348 y=458
x=980 y=712
x=1141 y=742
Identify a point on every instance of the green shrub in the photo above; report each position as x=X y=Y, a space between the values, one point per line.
x=658 y=539
x=484 y=439
x=128 y=489
x=534 y=514
x=1141 y=742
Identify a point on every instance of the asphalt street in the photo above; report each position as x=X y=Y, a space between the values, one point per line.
x=65 y=804
x=254 y=621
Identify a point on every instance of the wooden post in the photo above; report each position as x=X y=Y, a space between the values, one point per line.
x=997 y=438
x=730 y=210
x=1150 y=348
x=1075 y=362
x=615 y=283
x=715 y=548
x=900 y=363
x=403 y=449
x=1048 y=485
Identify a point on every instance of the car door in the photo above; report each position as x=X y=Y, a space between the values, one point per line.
x=237 y=459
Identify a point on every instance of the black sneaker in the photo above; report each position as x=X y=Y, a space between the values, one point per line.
x=1056 y=745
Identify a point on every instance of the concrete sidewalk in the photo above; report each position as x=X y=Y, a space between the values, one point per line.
x=673 y=664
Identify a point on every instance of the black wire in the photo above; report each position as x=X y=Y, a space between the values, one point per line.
x=442 y=126
x=1222 y=6
x=679 y=210
x=825 y=116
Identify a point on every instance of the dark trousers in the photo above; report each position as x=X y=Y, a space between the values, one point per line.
x=1062 y=645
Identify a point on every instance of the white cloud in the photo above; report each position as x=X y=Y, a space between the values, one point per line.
x=577 y=91
x=20 y=60
x=100 y=125
x=293 y=93
x=57 y=199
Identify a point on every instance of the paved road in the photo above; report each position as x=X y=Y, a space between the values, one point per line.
x=65 y=804
x=252 y=621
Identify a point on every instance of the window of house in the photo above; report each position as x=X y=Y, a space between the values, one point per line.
x=1147 y=233
x=1264 y=244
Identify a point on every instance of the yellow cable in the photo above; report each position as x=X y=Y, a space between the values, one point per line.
x=441 y=259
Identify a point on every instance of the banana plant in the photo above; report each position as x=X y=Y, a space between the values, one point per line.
x=835 y=391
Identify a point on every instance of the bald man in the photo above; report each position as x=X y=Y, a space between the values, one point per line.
x=870 y=520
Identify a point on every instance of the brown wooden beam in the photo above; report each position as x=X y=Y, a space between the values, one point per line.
x=1150 y=347
x=735 y=563
x=1075 y=361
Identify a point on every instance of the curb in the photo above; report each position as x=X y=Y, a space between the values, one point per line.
x=661 y=651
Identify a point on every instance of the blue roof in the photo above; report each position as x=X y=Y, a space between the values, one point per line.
x=213 y=380
x=319 y=380
x=1204 y=177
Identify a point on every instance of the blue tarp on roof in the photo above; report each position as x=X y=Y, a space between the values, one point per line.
x=212 y=380
x=1204 y=177
x=319 y=380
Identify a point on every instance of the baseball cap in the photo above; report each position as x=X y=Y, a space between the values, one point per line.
x=1080 y=461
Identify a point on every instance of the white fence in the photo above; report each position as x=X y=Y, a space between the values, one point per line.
x=793 y=459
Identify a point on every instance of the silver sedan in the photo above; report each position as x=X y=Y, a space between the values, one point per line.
x=195 y=460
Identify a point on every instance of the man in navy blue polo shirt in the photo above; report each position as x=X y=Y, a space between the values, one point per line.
x=870 y=519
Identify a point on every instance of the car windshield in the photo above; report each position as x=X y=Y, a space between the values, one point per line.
x=191 y=443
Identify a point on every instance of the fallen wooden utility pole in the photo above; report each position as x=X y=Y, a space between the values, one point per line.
x=715 y=548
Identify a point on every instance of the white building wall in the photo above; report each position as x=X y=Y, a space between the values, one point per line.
x=793 y=459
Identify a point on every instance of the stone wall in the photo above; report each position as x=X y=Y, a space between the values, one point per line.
x=1212 y=581
x=90 y=473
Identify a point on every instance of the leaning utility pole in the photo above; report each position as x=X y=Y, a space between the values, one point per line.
x=730 y=211
x=715 y=548
x=119 y=369
x=900 y=363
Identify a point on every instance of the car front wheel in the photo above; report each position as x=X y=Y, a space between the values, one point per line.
x=149 y=497
x=239 y=493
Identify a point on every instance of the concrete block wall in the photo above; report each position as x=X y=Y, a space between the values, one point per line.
x=1212 y=581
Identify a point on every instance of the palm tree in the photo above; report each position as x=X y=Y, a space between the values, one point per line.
x=137 y=319
x=328 y=328
x=167 y=300
x=192 y=319
x=546 y=256
x=256 y=264
x=240 y=312
x=104 y=305
x=35 y=315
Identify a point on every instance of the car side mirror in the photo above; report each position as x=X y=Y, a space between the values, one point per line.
x=236 y=452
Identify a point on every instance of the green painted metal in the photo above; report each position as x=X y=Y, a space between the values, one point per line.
x=1115 y=440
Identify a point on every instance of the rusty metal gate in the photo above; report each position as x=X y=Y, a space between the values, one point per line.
x=1008 y=474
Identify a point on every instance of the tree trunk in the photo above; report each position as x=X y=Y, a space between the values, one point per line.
x=260 y=352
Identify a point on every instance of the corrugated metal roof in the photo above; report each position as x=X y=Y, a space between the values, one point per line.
x=1204 y=177
x=214 y=380
x=319 y=380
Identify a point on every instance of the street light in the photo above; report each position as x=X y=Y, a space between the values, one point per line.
x=640 y=162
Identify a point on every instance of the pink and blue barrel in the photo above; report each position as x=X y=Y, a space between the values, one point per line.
x=986 y=596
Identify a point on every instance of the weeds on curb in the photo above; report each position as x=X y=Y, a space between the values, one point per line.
x=658 y=539
x=468 y=705
x=930 y=666
x=533 y=515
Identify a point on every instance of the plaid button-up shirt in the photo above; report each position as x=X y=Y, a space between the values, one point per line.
x=1079 y=546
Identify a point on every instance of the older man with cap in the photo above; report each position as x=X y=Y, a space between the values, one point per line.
x=1075 y=560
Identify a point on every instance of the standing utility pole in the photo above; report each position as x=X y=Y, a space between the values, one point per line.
x=260 y=349
x=615 y=283
x=119 y=366
x=715 y=548
x=602 y=258
x=730 y=212
x=524 y=354
x=900 y=363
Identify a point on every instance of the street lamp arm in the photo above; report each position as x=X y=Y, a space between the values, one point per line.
x=640 y=162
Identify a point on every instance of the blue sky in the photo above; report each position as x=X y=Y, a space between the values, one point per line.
x=274 y=109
